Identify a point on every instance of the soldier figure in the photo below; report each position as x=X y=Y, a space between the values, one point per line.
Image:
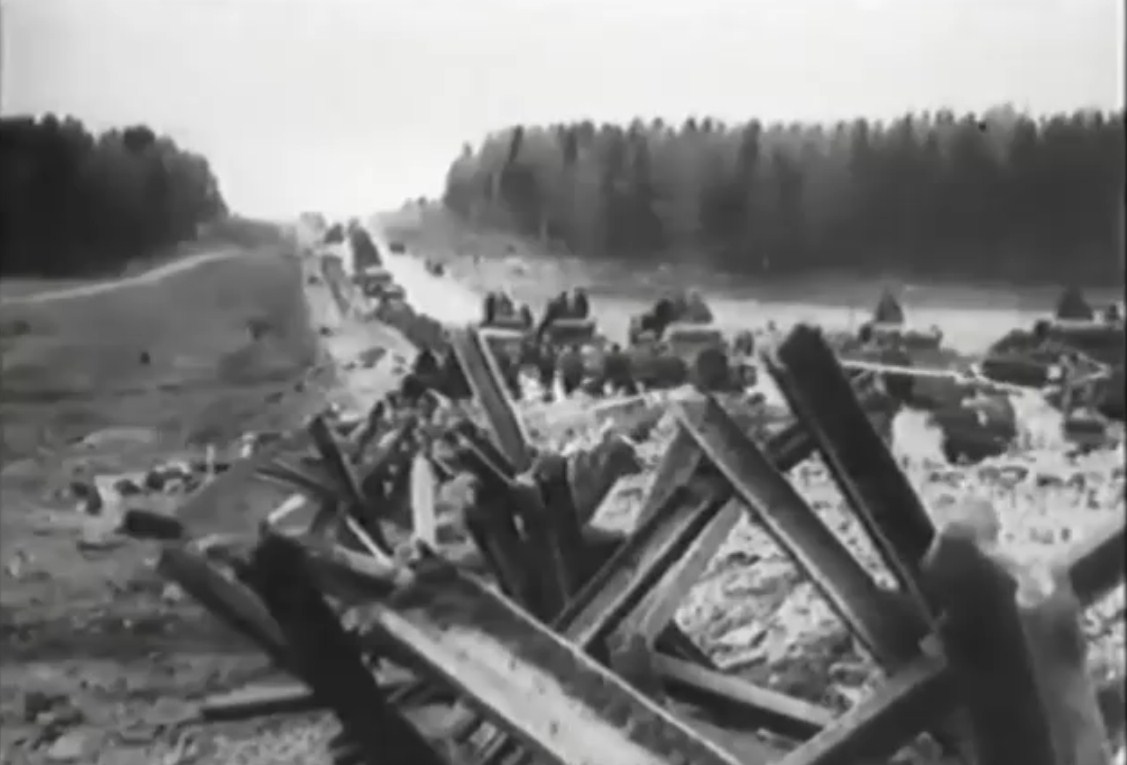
x=546 y=369
x=556 y=308
x=571 y=369
x=618 y=372
x=581 y=308
x=490 y=308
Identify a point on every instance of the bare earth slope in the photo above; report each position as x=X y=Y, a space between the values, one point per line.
x=99 y=659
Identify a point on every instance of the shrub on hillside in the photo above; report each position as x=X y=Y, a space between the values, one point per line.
x=995 y=195
x=75 y=203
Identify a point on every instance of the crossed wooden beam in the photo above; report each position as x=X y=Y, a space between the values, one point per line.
x=574 y=660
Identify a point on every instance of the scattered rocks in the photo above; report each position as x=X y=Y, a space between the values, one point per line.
x=72 y=746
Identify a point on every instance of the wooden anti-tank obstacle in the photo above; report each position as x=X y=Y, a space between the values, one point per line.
x=958 y=606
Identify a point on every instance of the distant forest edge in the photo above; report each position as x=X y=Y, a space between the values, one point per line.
x=74 y=203
x=1000 y=195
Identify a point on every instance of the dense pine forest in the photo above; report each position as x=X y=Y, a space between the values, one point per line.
x=1001 y=195
x=73 y=203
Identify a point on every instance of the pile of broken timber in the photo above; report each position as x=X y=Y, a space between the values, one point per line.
x=573 y=658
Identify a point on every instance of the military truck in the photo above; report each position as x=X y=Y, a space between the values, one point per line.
x=690 y=351
x=980 y=425
x=374 y=281
x=1032 y=358
x=506 y=315
x=1101 y=339
x=566 y=331
x=910 y=337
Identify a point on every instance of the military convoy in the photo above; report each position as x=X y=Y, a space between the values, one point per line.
x=1077 y=352
x=688 y=346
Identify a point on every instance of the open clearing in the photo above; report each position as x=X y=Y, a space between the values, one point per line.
x=123 y=379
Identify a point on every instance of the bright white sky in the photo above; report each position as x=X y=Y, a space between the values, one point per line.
x=349 y=106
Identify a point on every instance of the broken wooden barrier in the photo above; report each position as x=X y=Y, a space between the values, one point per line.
x=525 y=678
x=486 y=382
x=330 y=660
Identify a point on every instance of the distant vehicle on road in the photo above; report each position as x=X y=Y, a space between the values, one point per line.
x=374 y=281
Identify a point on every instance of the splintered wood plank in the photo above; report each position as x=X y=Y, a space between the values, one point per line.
x=818 y=391
x=891 y=634
x=531 y=682
x=487 y=384
x=619 y=585
x=657 y=609
x=758 y=707
x=636 y=566
x=678 y=465
x=424 y=514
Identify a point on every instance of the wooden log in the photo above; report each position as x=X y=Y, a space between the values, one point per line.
x=485 y=379
x=424 y=514
x=260 y=700
x=636 y=566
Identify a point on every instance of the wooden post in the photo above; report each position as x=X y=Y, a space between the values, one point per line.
x=1013 y=641
x=330 y=659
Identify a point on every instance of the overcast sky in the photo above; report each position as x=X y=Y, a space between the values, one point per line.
x=352 y=105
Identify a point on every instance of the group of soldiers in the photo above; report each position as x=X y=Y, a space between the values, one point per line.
x=689 y=307
x=497 y=305
x=439 y=370
x=564 y=306
x=436 y=368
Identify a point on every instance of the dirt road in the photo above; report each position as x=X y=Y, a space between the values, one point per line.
x=148 y=277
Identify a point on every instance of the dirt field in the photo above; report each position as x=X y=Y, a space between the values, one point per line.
x=99 y=659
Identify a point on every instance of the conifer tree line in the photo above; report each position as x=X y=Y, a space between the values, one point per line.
x=998 y=195
x=75 y=203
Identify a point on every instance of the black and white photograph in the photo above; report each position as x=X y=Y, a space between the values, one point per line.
x=562 y=382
